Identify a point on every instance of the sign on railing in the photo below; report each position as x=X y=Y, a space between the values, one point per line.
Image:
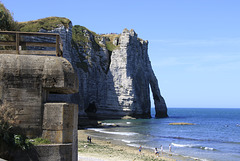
x=12 y=42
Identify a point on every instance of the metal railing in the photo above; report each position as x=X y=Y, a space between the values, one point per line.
x=18 y=45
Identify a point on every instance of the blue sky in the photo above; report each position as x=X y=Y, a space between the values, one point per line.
x=194 y=45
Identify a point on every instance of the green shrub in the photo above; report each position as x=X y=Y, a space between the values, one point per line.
x=38 y=141
x=78 y=35
x=79 y=38
x=110 y=46
x=8 y=134
x=9 y=142
x=7 y=22
x=12 y=140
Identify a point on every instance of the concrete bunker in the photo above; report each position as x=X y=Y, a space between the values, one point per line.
x=25 y=82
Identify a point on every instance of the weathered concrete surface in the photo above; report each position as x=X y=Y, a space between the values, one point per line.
x=47 y=152
x=56 y=152
x=25 y=82
x=60 y=124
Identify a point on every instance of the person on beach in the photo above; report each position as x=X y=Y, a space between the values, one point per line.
x=140 y=149
x=156 y=152
x=161 y=149
x=170 y=148
x=89 y=139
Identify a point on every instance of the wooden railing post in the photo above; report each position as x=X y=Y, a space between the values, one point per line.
x=17 y=43
x=57 y=45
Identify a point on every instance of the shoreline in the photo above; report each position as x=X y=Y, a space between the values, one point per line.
x=108 y=150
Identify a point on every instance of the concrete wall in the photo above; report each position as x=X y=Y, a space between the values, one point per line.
x=61 y=127
x=25 y=83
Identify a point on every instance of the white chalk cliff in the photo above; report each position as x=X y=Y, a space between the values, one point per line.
x=115 y=74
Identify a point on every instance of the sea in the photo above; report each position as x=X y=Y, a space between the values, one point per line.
x=215 y=135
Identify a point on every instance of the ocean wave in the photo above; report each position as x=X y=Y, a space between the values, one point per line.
x=95 y=129
x=182 y=138
x=141 y=141
x=192 y=146
x=172 y=153
x=109 y=124
x=194 y=158
x=182 y=145
x=194 y=139
x=133 y=145
x=126 y=141
x=134 y=141
x=113 y=132
x=137 y=146
x=207 y=148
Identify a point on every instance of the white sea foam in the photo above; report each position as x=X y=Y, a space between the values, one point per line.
x=183 y=145
x=128 y=123
x=133 y=145
x=130 y=141
x=194 y=158
x=207 y=148
x=113 y=132
x=141 y=141
x=109 y=124
x=126 y=141
x=192 y=146
x=119 y=133
x=172 y=153
x=137 y=145
x=95 y=129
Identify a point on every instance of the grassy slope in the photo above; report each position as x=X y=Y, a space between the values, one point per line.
x=48 y=23
x=79 y=38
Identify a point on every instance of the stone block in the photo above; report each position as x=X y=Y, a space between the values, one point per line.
x=60 y=136
x=59 y=122
x=58 y=152
x=46 y=152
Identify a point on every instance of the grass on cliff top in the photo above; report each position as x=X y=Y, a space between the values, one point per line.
x=48 y=24
x=111 y=36
x=78 y=34
x=110 y=46
x=79 y=37
x=109 y=41
x=7 y=22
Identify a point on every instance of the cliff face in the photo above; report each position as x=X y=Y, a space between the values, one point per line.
x=128 y=78
x=114 y=72
x=116 y=83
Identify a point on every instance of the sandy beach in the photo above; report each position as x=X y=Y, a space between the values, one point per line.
x=105 y=150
